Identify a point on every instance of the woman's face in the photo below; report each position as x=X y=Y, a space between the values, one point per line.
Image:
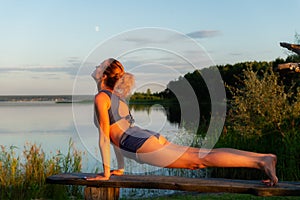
x=98 y=73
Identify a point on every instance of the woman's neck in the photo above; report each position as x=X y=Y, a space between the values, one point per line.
x=105 y=88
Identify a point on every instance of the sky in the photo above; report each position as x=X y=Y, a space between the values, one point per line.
x=51 y=47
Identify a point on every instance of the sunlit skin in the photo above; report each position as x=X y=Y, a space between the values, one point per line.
x=160 y=152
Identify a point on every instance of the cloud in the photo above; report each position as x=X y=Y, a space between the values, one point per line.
x=140 y=40
x=166 y=37
x=71 y=70
x=72 y=66
x=235 y=54
x=204 y=34
x=148 y=36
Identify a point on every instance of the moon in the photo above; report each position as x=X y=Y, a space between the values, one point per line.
x=97 y=28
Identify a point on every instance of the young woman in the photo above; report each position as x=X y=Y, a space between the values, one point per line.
x=115 y=125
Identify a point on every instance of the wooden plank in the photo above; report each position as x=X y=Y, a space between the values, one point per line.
x=211 y=185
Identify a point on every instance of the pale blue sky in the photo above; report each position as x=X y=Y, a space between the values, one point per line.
x=43 y=43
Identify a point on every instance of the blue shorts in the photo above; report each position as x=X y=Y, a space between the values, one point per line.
x=133 y=138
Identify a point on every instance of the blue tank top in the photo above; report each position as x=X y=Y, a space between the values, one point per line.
x=113 y=111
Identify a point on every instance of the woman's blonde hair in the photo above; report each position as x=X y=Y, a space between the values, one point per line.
x=124 y=85
x=117 y=79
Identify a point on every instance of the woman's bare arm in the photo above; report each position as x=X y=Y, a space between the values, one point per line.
x=120 y=160
x=102 y=102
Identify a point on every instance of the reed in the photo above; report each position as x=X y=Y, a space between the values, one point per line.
x=23 y=177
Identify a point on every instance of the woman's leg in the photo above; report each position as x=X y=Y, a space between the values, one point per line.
x=164 y=141
x=165 y=154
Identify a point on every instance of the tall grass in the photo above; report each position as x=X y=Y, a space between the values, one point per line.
x=23 y=177
x=287 y=150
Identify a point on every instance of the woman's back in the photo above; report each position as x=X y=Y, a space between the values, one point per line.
x=120 y=118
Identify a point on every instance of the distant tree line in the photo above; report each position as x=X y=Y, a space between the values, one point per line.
x=232 y=76
x=146 y=97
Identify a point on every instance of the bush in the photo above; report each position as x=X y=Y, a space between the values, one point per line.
x=263 y=106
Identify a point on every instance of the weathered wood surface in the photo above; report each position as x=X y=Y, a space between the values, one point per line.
x=211 y=185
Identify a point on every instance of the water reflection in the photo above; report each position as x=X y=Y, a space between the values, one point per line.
x=38 y=117
x=180 y=114
x=171 y=111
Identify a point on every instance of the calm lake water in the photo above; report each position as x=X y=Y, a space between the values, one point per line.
x=52 y=125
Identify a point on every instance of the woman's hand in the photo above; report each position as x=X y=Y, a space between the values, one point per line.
x=101 y=177
x=117 y=172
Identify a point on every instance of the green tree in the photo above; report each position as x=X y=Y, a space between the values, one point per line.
x=148 y=92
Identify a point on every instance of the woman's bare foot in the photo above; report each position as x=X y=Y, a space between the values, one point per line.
x=268 y=164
